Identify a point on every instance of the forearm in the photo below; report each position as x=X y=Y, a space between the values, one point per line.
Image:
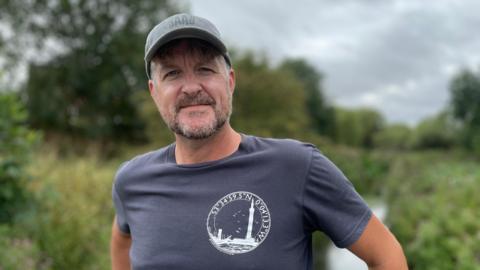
x=379 y=248
x=394 y=259
x=120 y=249
x=120 y=258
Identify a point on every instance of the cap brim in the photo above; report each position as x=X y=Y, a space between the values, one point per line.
x=189 y=32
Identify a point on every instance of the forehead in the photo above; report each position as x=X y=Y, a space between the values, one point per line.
x=197 y=49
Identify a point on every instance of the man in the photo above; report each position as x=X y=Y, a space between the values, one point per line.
x=218 y=199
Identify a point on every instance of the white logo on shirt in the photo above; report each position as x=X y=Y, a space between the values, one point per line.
x=238 y=222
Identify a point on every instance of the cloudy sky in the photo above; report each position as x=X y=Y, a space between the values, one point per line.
x=394 y=55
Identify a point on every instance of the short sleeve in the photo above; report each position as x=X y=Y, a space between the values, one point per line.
x=120 y=212
x=331 y=203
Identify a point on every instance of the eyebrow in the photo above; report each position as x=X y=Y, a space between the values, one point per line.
x=168 y=64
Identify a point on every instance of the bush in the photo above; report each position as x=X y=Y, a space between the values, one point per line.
x=74 y=210
x=18 y=252
x=434 y=210
x=394 y=137
x=367 y=170
x=17 y=141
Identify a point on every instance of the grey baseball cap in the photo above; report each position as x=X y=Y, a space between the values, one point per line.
x=182 y=26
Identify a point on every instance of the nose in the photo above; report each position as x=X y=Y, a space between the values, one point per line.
x=191 y=85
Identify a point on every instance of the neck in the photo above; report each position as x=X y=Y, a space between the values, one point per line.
x=222 y=144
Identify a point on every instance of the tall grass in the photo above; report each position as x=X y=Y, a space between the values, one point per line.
x=73 y=215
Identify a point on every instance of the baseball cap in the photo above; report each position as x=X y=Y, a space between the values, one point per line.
x=182 y=26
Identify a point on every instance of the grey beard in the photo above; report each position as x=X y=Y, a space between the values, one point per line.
x=199 y=133
x=221 y=117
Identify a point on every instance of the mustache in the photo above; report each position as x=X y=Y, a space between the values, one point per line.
x=200 y=98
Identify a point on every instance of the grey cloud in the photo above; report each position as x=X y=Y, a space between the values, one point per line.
x=362 y=47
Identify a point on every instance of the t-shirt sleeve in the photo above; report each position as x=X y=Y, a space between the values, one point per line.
x=331 y=203
x=119 y=208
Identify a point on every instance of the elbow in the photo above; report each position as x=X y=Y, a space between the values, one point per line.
x=392 y=259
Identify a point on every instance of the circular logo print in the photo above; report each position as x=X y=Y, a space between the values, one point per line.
x=238 y=222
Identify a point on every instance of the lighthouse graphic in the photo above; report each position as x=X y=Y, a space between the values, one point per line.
x=250 y=221
x=230 y=213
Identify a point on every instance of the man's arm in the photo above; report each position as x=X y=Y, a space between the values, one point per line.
x=120 y=248
x=379 y=248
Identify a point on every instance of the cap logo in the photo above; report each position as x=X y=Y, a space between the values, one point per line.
x=182 y=21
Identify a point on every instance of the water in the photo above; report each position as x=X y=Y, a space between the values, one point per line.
x=343 y=259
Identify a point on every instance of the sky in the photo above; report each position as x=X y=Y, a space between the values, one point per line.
x=397 y=56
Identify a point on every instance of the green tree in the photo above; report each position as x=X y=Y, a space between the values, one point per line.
x=84 y=88
x=465 y=101
x=321 y=114
x=267 y=101
x=434 y=132
x=357 y=127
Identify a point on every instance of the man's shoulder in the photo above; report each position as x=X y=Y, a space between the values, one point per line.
x=281 y=146
x=142 y=161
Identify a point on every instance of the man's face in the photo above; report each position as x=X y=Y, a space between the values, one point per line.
x=192 y=93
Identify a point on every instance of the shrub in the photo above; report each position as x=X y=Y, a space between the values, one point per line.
x=17 y=141
x=434 y=211
x=74 y=210
x=18 y=252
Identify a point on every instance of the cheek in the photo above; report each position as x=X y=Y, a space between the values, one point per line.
x=163 y=103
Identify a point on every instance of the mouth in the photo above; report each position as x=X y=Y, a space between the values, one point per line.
x=194 y=105
x=199 y=100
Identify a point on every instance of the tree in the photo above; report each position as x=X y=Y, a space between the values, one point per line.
x=84 y=86
x=434 y=132
x=465 y=101
x=396 y=136
x=267 y=101
x=357 y=127
x=321 y=114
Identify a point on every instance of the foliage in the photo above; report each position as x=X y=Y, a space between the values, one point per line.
x=16 y=142
x=320 y=244
x=357 y=127
x=367 y=170
x=157 y=131
x=434 y=210
x=18 y=252
x=465 y=91
x=321 y=114
x=434 y=132
x=84 y=90
x=396 y=136
x=267 y=101
x=74 y=210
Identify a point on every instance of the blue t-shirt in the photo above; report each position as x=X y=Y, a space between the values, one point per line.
x=255 y=209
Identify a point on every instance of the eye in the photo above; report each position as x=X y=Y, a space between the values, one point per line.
x=171 y=74
x=205 y=70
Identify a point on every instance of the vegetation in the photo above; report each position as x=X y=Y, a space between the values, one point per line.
x=357 y=127
x=17 y=139
x=73 y=214
x=18 y=252
x=84 y=86
x=56 y=212
x=465 y=90
x=434 y=209
x=321 y=113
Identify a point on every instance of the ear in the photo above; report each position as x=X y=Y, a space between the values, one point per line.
x=231 y=79
x=151 y=88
